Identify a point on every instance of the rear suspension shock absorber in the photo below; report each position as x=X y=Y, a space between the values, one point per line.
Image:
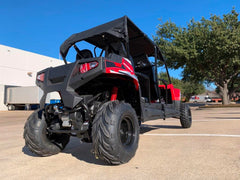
x=114 y=93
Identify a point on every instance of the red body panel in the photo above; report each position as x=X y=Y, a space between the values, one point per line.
x=124 y=68
x=175 y=93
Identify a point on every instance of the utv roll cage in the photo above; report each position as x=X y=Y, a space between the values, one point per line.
x=122 y=37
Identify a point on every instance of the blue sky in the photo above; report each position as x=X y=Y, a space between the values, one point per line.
x=41 y=26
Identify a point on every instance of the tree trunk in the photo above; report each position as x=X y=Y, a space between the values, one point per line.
x=225 y=95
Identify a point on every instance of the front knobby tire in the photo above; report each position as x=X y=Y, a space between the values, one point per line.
x=115 y=132
x=37 y=138
x=185 y=116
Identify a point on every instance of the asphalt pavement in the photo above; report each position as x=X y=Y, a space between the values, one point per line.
x=210 y=149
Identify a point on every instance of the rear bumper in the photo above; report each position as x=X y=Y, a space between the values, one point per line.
x=65 y=79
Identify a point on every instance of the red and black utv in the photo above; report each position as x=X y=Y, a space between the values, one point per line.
x=104 y=97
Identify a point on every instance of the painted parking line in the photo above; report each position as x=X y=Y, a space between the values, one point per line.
x=209 y=120
x=205 y=120
x=196 y=135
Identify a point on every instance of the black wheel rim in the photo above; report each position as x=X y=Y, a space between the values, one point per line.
x=126 y=131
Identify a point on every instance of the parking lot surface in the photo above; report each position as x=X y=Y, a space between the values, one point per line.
x=210 y=149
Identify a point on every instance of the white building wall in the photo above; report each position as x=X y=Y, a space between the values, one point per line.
x=19 y=68
x=2 y=105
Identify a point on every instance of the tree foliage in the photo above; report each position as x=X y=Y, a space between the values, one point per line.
x=207 y=50
x=188 y=89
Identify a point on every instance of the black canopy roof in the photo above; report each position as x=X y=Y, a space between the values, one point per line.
x=122 y=29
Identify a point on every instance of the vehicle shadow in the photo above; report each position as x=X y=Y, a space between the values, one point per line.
x=147 y=128
x=81 y=151
x=26 y=151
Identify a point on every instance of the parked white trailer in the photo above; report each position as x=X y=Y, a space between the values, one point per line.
x=26 y=97
x=200 y=98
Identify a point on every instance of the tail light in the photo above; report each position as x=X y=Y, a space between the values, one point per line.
x=40 y=77
x=88 y=66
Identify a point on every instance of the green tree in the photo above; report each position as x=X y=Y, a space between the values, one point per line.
x=207 y=50
x=188 y=89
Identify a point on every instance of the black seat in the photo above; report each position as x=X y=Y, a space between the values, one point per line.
x=147 y=73
x=144 y=85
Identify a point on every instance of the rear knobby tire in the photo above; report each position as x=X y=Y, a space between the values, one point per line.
x=38 y=140
x=185 y=116
x=115 y=132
